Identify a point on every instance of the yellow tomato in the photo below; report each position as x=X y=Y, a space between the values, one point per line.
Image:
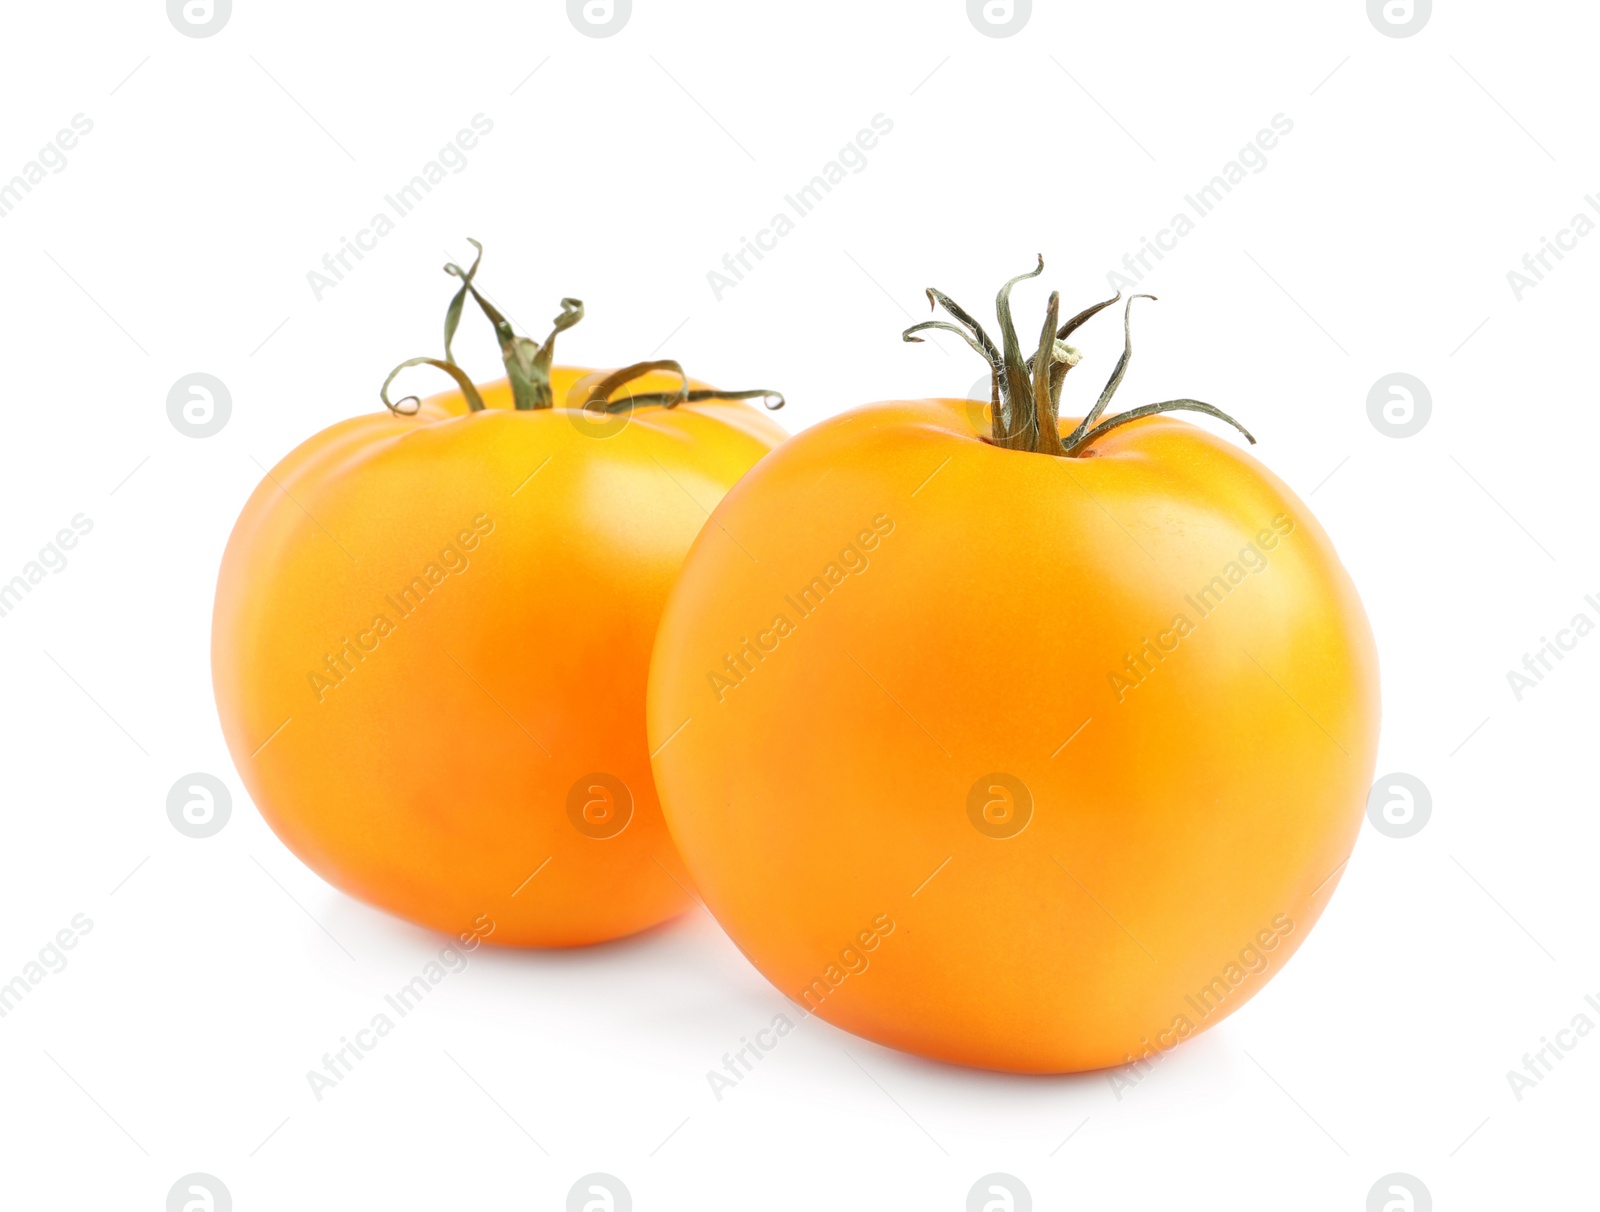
x=1025 y=760
x=430 y=645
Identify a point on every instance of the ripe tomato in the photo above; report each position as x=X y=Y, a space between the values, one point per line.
x=1038 y=749
x=431 y=639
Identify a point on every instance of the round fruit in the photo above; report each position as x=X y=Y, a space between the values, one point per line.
x=1037 y=747
x=432 y=633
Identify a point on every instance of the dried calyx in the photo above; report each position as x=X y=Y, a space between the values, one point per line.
x=1026 y=395
x=528 y=363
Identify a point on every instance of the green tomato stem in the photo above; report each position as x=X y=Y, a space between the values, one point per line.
x=1026 y=396
x=528 y=362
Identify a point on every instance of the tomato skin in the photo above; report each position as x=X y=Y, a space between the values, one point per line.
x=520 y=565
x=1187 y=827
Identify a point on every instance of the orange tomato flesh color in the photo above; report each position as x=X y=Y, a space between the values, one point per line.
x=896 y=642
x=432 y=633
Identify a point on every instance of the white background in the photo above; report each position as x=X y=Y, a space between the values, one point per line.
x=1377 y=239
